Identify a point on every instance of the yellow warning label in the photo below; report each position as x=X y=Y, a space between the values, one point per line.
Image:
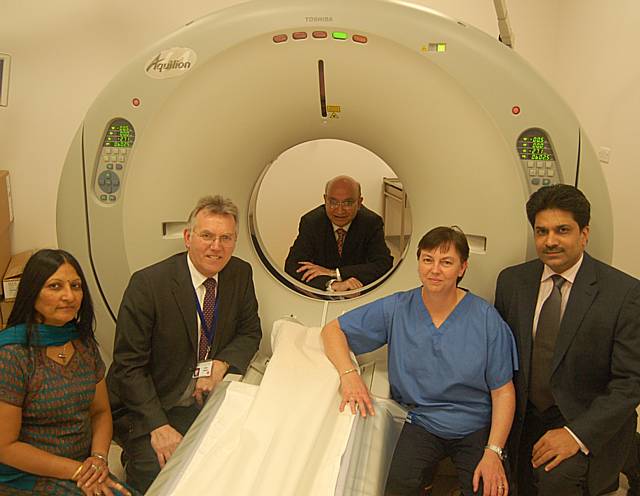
x=333 y=108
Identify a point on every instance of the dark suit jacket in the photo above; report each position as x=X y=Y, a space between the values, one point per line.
x=156 y=342
x=596 y=364
x=365 y=255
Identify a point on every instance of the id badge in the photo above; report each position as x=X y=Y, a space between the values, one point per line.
x=203 y=369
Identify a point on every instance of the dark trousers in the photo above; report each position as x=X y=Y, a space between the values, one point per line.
x=631 y=467
x=568 y=479
x=418 y=453
x=140 y=460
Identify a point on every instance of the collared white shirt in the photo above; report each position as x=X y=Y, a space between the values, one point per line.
x=197 y=279
x=546 y=285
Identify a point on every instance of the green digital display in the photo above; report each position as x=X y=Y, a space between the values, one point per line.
x=119 y=137
x=120 y=134
x=535 y=146
x=538 y=145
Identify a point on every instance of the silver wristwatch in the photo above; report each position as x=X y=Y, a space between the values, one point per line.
x=497 y=450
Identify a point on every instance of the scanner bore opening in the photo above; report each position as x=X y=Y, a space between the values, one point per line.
x=296 y=179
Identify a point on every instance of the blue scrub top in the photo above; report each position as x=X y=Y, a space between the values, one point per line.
x=445 y=375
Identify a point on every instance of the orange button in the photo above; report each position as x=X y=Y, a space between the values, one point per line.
x=279 y=38
x=299 y=35
x=319 y=34
x=358 y=38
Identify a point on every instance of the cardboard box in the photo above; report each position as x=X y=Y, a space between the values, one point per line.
x=14 y=272
x=5 y=310
x=6 y=206
x=6 y=218
x=5 y=253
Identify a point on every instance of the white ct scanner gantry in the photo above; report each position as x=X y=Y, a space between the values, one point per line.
x=466 y=124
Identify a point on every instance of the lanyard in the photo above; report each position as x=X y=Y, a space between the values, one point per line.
x=208 y=331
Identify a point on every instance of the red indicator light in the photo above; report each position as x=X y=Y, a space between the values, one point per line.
x=299 y=35
x=515 y=110
x=319 y=34
x=279 y=38
x=135 y=102
x=358 y=38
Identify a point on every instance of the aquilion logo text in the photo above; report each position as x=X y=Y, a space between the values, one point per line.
x=159 y=64
x=173 y=62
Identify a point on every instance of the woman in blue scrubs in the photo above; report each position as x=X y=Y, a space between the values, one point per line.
x=451 y=362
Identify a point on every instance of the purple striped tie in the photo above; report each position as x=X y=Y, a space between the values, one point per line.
x=208 y=307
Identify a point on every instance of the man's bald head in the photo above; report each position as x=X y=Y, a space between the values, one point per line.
x=342 y=199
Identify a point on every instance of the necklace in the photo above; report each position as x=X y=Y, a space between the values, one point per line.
x=62 y=354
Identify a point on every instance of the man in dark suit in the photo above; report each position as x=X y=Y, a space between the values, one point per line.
x=340 y=245
x=193 y=314
x=577 y=326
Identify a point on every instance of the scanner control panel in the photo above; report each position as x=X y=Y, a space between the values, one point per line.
x=113 y=157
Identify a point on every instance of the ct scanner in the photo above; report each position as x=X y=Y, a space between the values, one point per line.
x=467 y=125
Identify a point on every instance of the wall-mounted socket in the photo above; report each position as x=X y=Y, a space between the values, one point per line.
x=604 y=155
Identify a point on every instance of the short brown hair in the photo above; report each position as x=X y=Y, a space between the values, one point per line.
x=443 y=237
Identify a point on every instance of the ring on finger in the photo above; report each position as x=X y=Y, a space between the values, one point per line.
x=94 y=467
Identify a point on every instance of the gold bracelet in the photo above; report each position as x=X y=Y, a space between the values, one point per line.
x=76 y=473
x=100 y=456
x=348 y=371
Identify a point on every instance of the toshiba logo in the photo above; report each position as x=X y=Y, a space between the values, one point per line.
x=319 y=19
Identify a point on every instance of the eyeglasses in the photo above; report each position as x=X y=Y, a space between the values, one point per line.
x=210 y=238
x=343 y=204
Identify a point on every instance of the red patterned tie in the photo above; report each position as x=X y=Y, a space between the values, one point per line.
x=340 y=239
x=208 y=307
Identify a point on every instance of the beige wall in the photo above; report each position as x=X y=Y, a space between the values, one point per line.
x=64 y=52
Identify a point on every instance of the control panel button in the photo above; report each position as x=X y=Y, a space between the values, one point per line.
x=532 y=172
x=109 y=166
x=103 y=197
x=546 y=182
x=535 y=181
x=551 y=173
x=119 y=166
x=112 y=197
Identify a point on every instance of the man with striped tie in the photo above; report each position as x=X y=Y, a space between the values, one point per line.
x=340 y=244
x=576 y=322
x=183 y=323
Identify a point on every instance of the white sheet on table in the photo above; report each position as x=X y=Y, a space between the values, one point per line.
x=288 y=439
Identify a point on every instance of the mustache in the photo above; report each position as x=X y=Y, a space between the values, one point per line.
x=551 y=251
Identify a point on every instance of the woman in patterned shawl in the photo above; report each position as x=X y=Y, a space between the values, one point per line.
x=54 y=408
